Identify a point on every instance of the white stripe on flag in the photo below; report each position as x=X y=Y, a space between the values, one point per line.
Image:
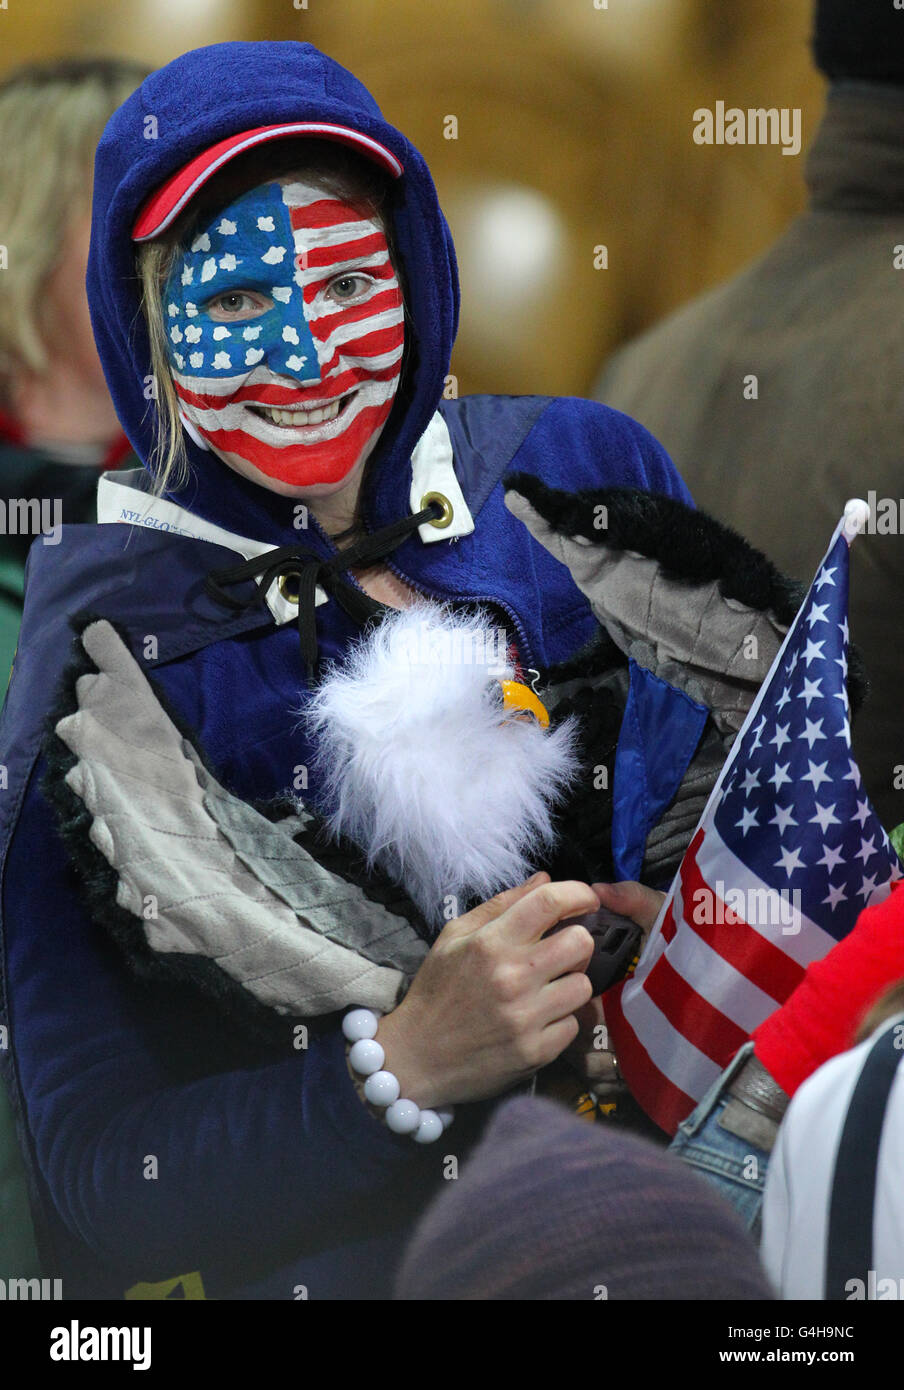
x=715 y=978
x=717 y=862
x=684 y=1065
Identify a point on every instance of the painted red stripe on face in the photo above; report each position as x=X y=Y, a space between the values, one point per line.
x=325 y=212
x=382 y=303
x=317 y=257
x=368 y=345
x=312 y=288
x=305 y=464
x=338 y=385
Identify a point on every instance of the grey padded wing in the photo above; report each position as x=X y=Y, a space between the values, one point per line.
x=717 y=650
x=223 y=881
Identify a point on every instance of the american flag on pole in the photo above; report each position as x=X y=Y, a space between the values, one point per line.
x=787 y=854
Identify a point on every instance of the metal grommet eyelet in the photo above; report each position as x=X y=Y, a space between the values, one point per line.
x=443 y=521
x=289 y=585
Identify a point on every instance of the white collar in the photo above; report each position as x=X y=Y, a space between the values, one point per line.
x=121 y=497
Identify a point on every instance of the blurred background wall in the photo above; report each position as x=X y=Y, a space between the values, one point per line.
x=553 y=128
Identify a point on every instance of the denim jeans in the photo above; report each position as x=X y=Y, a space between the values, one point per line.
x=735 y=1166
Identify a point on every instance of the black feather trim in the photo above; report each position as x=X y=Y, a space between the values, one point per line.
x=687 y=543
x=583 y=823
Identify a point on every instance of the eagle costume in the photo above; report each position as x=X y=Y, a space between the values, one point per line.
x=242 y=795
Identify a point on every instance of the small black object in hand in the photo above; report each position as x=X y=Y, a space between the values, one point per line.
x=616 y=942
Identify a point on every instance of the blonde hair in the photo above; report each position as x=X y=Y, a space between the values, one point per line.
x=889 y=1003
x=52 y=115
x=332 y=167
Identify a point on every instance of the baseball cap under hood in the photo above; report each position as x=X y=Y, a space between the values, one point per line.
x=196 y=101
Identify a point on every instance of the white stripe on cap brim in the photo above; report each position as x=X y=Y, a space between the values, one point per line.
x=313 y=128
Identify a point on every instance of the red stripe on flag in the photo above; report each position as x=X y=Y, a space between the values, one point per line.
x=710 y=1031
x=665 y=1103
x=668 y=922
x=767 y=966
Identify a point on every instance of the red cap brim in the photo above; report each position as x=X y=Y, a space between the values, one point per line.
x=164 y=206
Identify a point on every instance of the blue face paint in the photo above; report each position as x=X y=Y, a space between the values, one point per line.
x=285 y=333
x=248 y=246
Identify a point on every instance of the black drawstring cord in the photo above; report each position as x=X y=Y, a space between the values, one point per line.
x=311 y=569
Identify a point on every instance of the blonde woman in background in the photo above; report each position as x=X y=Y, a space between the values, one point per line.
x=58 y=428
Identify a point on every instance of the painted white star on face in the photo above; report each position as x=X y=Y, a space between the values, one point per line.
x=817 y=614
x=825 y=577
x=862 y=812
x=825 y=816
x=781 y=736
x=789 y=861
x=748 y=820
x=813 y=651
x=813 y=732
x=867 y=849
x=751 y=782
x=784 y=698
x=831 y=858
x=811 y=690
x=867 y=887
x=836 y=896
x=779 y=776
x=817 y=774
x=783 y=818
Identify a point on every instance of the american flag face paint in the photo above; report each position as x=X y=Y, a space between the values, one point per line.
x=285 y=332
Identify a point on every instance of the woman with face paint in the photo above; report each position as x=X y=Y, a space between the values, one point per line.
x=330 y=688
x=289 y=375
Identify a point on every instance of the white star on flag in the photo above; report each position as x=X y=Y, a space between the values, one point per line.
x=824 y=817
x=713 y=969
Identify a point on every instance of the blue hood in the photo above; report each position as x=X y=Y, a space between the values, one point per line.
x=195 y=101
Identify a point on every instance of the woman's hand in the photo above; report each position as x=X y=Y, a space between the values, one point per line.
x=590 y=1054
x=493 y=1001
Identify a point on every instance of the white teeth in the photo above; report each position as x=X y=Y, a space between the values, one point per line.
x=302 y=417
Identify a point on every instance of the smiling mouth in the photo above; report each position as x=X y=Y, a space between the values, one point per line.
x=294 y=417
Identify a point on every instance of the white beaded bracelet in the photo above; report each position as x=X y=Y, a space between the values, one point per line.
x=382 y=1089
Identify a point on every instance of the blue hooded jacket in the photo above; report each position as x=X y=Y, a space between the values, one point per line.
x=170 y=1156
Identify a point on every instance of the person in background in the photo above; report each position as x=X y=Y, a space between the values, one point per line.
x=833 y=1217
x=817 y=323
x=550 y=1208
x=58 y=427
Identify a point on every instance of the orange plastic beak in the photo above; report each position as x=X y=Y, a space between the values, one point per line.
x=516 y=696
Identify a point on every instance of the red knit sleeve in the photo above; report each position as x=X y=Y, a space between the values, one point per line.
x=820 y=1017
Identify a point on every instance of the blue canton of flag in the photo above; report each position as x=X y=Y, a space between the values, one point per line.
x=793 y=808
x=787 y=854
